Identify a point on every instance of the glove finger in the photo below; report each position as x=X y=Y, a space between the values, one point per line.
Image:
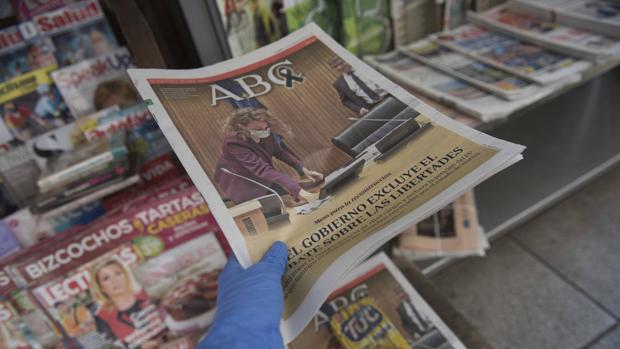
x=232 y=266
x=276 y=256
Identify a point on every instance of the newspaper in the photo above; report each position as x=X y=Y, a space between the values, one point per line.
x=452 y=231
x=379 y=280
x=581 y=43
x=489 y=78
x=448 y=90
x=528 y=61
x=600 y=16
x=79 y=31
x=380 y=157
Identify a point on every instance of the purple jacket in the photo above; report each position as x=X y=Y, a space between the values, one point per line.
x=254 y=160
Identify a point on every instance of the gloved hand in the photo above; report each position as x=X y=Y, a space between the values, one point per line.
x=249 y=304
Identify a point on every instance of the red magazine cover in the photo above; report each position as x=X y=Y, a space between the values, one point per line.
x=79 y=31
x=100 y=304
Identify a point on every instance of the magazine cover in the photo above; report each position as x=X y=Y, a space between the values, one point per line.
x=498 y=82
x=366 y=26
x=19 y=173
x=9 y=243
x=300 y=141
x=100 y=304
x=21 y=53
x=324 y=13
x=250 y=24
x=28 y=227
x=31 y=105
x=528 y=61
x=452 y=231
x=449 y=90
x=145 y=140
x=97 y=83
x=158 y=225
x=26 y=9
x=375 y=307
x=14 y=332
x=79 y=31
x=600 y=16
x=26 y=324
x=183 y=281
x=579 y=42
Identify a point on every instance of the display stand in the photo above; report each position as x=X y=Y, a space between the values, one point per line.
x=572 y=139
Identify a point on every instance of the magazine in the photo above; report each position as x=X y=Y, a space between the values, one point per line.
x=448 y=90
x=26 y=9
x=28 y=228
x=600 y=16
x=324 y=13
x=85 y=303
x=31 y=105
x=79 y=31
x=452 y=231
x=358 y=159
x=173 y=290
x=27 y=324
x=19 y=174
x=158 y=225
x=9 y=243
x=21 y=52
x=376 y=307
x=366 y=26
x=526 y=60
x=97 y=83
x=251 y=24
x=14 y=332
x=498 y=82
x=578 y=42
x=413 y=20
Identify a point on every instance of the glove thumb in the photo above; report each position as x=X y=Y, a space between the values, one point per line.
x=277 y=256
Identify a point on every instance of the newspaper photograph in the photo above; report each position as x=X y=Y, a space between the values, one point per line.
x=348 y=318
x=526 y=60
x=302 y=142
x=452 y=231
x=498 y=82
x=578 y=42
x=449 y=90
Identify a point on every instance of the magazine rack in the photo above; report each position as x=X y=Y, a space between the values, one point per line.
x=571 y=134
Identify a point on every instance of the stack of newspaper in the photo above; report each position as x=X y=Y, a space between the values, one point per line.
x=600 y=16
x=453 y=231
x=512 y=55
x=376 y=307
x=301 y=141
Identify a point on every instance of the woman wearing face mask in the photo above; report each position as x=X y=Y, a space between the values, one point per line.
x=253 y=138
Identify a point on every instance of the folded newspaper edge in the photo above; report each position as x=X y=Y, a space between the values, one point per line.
x=310 y=297
x=382 y=261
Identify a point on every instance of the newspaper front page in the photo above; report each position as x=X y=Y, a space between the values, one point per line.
x=402 y=318
x=301 y=141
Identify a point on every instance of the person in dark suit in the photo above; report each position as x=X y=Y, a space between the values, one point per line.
x=356 y=92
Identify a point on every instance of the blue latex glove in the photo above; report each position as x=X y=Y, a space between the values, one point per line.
x=249 y=304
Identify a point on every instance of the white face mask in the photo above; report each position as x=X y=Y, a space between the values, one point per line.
x=260 y=133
